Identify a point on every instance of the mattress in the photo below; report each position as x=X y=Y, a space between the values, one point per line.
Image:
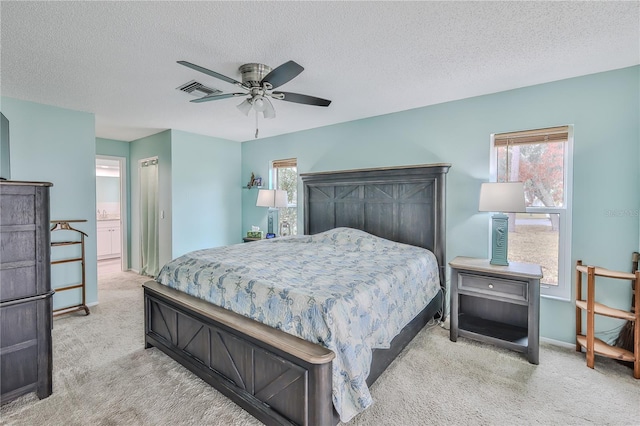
x=344 y=289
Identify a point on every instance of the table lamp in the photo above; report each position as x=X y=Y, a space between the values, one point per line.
x=274 y=199
x=501 y=197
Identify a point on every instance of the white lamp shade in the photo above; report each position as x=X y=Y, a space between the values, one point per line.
x=505 y=197
x=265 y=198
x=269 y=111
x=245 y=107
x=280 y=198
x=272 y=198
x=259 y=104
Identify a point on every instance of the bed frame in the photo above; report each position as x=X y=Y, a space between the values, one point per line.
x=277 y=377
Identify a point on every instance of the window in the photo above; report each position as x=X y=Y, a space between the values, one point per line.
x=285 y=176
x=542 y=160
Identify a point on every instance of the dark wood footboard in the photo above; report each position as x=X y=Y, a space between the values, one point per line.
x=276 y=377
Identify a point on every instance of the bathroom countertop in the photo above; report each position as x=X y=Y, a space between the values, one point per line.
x=104 y=219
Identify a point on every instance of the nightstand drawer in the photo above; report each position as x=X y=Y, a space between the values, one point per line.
x=496 y=287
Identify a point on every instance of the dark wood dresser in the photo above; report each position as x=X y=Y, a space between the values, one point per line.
x=25 y=290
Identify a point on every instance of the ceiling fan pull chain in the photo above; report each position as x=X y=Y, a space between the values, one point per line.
x=256 y=125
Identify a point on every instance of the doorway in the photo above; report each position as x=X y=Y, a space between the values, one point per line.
x=111 y=214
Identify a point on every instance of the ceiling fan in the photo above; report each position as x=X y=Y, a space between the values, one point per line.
x=258 y=83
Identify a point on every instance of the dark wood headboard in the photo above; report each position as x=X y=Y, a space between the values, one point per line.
x=404 y=204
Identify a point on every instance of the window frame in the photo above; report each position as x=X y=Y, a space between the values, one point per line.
x=281 y=164
x=562 y=291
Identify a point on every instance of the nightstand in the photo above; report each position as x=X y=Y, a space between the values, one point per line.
x=496 y=304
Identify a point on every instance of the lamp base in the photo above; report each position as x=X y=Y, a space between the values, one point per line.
x=270 y=222
x=499 y=242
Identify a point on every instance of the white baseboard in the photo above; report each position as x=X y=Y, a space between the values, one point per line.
x=92 y=304
x=134 y=270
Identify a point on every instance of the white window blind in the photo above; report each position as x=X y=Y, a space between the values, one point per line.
x=550 y=134
x=289 y=162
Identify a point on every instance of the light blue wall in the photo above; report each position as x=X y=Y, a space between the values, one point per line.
x=112 y=148
x=5 y=164
x=115 y=148
x=199 y=191
x=158 y=145
x=604 y=110
x=107 y=189
x=205 y=182
x=58 y=145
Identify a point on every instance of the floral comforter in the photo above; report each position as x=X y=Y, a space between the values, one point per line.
x=343 y=289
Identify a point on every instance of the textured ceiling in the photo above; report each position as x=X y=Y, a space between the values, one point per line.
x=118 y=59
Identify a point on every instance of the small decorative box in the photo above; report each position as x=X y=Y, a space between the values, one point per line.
x=254 y=234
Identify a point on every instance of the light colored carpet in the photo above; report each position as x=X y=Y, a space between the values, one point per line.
x=103 y=376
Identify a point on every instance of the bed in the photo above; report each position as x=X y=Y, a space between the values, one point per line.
x=274 y=375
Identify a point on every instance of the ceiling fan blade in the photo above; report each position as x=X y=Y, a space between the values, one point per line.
x=217 y=97
x=209 y=72
x=303 y=99
x=282 y=74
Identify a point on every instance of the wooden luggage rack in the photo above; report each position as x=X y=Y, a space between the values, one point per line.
x=593 y=345
x=63 y=225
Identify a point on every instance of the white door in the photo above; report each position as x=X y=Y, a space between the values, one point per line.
x=111 y=208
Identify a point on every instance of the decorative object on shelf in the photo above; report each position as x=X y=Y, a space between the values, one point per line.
x=255 y=232
x=63 y=225
x=593 y=345
x=254 y=182
x=273 y=199
x=285 y=229
x=501 y=197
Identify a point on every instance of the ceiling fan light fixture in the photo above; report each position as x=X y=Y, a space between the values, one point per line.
x=269 y=110
x=259 y=81
x=259 y=103
x=245 y=107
